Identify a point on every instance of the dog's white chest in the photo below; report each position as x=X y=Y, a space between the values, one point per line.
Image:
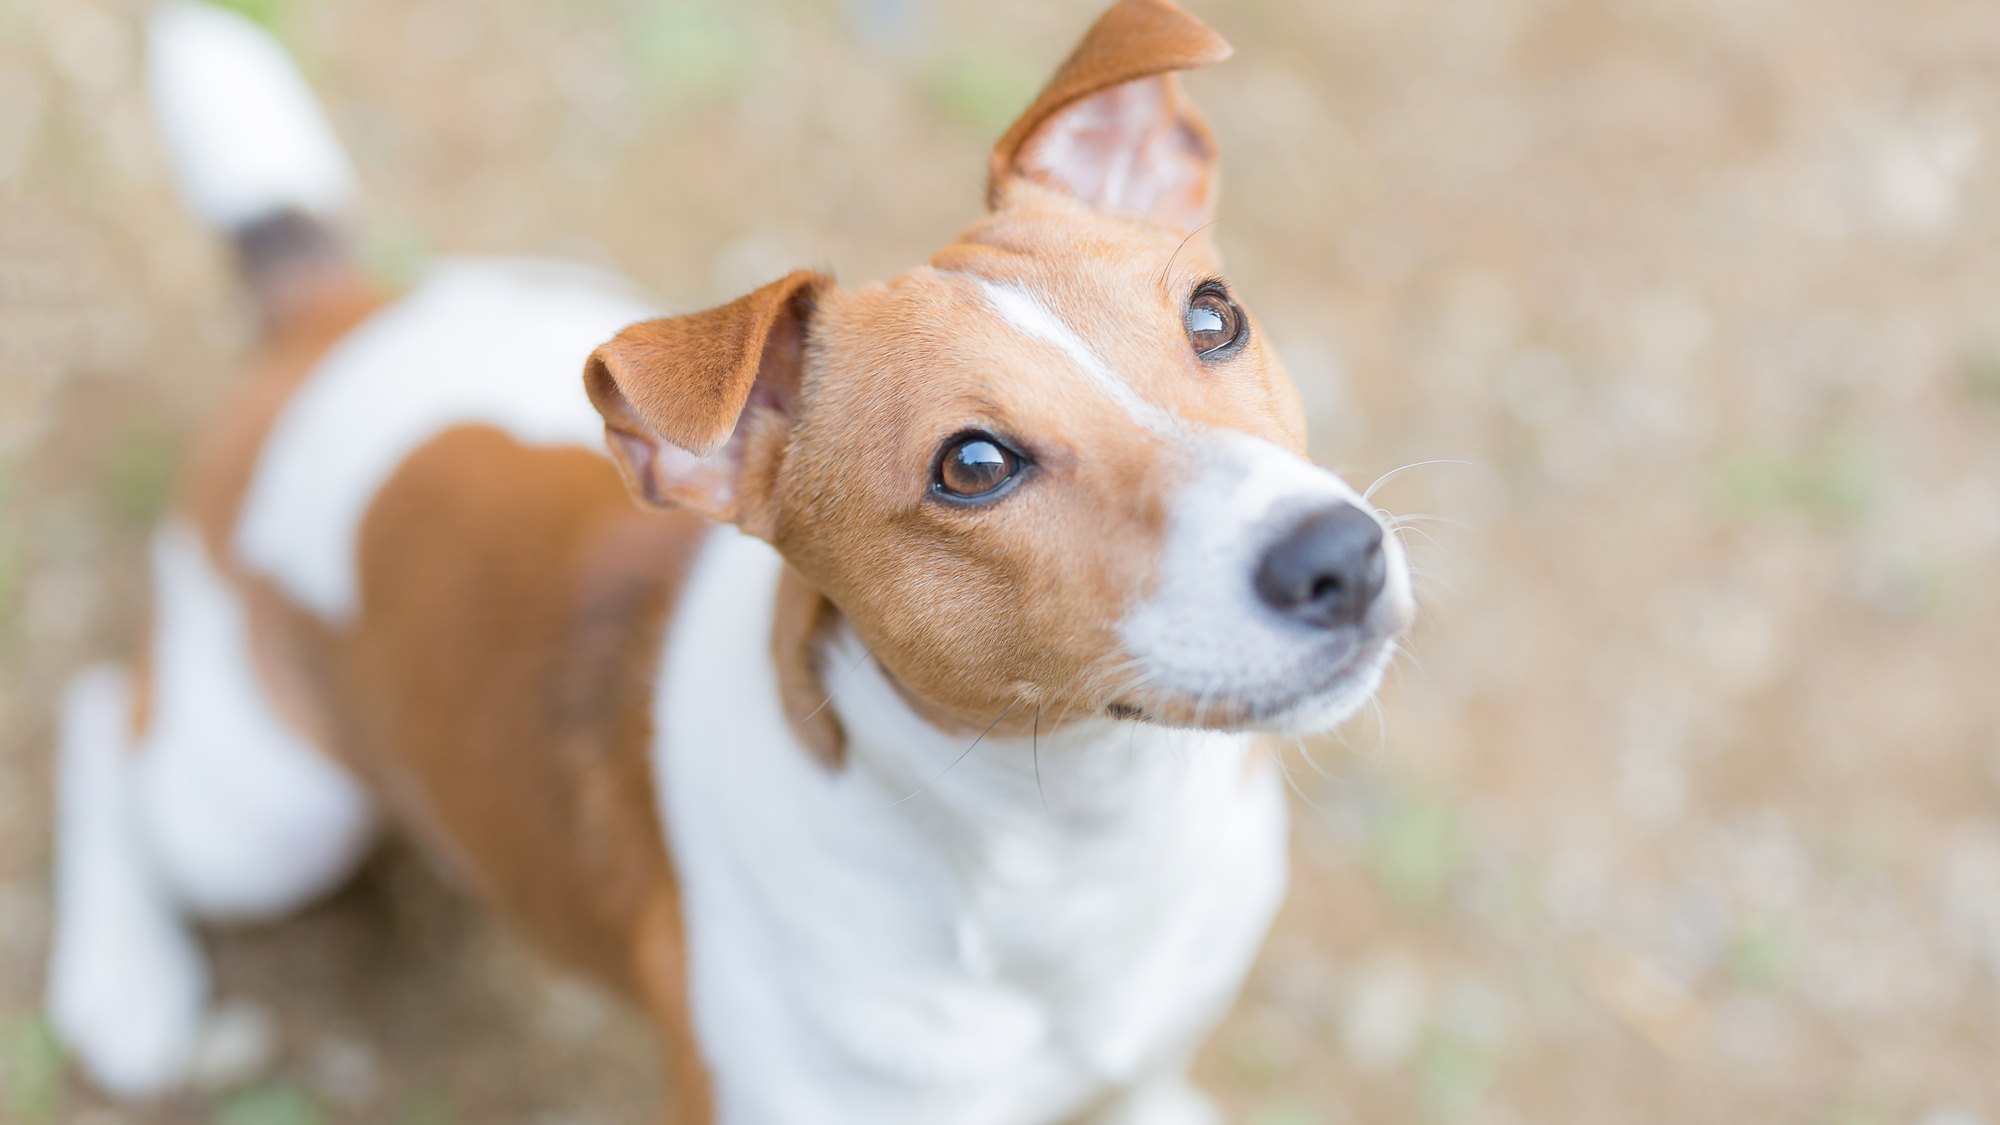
x=902 y=942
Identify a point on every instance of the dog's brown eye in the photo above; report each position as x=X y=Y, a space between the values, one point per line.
x=1214 y=323
x=974 y=467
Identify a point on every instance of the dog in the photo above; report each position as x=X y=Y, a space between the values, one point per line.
x=901 y=750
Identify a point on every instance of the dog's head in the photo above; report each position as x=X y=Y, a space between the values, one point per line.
x=1060 y=464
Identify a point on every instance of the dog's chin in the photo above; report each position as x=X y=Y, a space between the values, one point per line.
x=1322 y=711
x=1314 y=707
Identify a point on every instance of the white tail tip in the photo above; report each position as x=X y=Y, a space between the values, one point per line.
x=243 y=132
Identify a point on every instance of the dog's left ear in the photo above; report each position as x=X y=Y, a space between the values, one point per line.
x=697 y=408
x=1112 y=129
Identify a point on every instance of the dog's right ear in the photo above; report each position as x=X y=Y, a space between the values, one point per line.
x=1112 y=129
x=697 y=408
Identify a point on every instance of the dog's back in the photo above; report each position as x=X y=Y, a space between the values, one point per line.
x=403 y=520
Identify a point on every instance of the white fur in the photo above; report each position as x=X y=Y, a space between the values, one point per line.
x=912 y=941
x=242 y=816
x=1204 y=635
x=221 y=811
x=242 y=131
x=1030 y=315
x=126 y=979
x=500 y=343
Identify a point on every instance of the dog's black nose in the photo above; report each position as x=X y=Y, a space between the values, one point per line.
x=1327 y=570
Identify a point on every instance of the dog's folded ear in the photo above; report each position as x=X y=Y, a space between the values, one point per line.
x=1111 y=127
x=697 y=408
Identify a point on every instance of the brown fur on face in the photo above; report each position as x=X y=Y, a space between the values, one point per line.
x=976 y=608
x=972 y=608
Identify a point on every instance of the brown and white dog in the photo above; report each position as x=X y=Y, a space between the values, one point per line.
x=898 y=751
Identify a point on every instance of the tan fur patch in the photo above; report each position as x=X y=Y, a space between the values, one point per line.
x=496 y=680
x=675 y=392
x=803 y=619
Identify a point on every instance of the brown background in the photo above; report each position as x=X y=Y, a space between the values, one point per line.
x=1691 y=812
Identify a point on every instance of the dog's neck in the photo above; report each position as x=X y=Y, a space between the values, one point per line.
x=1114 y=801
x=1096 y=778
x=917 y=904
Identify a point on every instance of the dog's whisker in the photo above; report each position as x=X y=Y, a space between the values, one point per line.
x=1380 y=750
x=1400 y=530
x=961 y=757
x=1175 y=256
x=1401 y=518
x=1394 y=667
x=1292 y=783
x=1306 y=753
x=1432 y=577
x=1343 y=736
x=1036 y=741
x=1203 y=703
x=1386 y=477
x=835 y=685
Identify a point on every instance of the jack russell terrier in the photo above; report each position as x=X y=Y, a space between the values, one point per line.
x=898 y=751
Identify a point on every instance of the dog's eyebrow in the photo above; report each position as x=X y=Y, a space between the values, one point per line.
x=1020 y=308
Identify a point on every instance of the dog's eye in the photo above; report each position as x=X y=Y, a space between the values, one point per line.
x=974 y=467
x=1214 y=323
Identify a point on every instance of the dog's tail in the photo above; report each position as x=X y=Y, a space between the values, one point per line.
x=253 y=154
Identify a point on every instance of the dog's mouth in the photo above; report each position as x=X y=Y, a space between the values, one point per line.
x=1306 y=704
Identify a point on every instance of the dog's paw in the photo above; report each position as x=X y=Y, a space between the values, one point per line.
x=1175 y=1102
x=127 y=1000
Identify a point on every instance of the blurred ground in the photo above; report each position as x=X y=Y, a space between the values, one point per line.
x=1692 y=811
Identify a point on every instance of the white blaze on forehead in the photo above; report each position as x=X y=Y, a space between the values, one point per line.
x=1027 y=313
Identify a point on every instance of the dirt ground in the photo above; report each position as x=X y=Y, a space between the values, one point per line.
x=1687 y=810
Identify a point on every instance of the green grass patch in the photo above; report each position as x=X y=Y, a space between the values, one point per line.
x=1290 y=1111
x=981 y=91
x=1454 y=1074
x=1838 y=483
x=693 y=51
x=31 y=1071
x=12 y=571
x=393 y=254
x=427 y=1107
x=1759 y=956
x=1857 y=1111
x=137 y=476
x=272 y=1103
x=11 y=565
x=1259 y=1058
x=1980 y=373
x=270 y=14
x=1415 y=849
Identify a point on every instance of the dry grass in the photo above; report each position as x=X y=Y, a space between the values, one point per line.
x=1692 y=813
